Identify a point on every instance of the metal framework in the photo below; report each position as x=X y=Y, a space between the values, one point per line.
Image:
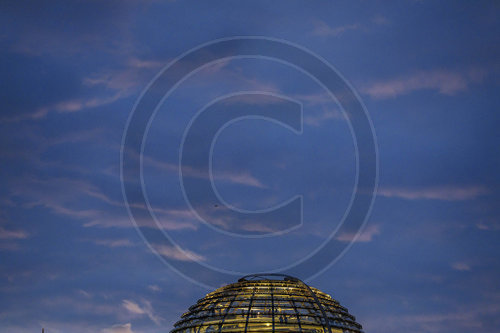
x=267 y=303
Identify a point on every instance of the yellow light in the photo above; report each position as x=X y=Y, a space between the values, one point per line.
x=256 y=305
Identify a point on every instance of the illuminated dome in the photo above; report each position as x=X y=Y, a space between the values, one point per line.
x=264 y=303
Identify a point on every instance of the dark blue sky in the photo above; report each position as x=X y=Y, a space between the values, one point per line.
x=71 y=260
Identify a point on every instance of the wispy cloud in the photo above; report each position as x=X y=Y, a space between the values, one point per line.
x=125 y=328
x=54 y=194
x=126 y=79
x=231 y=176
x=319 y=118
x=461 y=266
x=69 y=106
x=257 y=227
x=166 y=219
x=320 y=107
x=112 y=85
x=78 y=104
x=380 y=20
x=106 y=34
x=114 y=242
x=323 y=29
x=176 y=253
x=84 y=293
x=118 y=83
x=488 y=224
x=465 y=318
x=315 y=98
x=242 y=178
x=155 y=288
x=443 y=81
x=448 y=193
x=145 y=308
x=365 y=236
x=125 y=221
x=146 y=63
x=12 y=234
x=253 y=98
x=133 y=307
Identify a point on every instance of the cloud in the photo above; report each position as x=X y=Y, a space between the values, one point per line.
x=242 y=178
x=118 y=83
x=318 y=118
x=78 y=104
x=114 y=242
x=144 y=309
x=32 y=84
x=448 y=193
x=492 y=224
x=461 y=266
x=125 y=328
x=84 y=293
x=215 y=67
x=124 y=221
x=322 y=98
x=155 y=288
x=465 y=318
x=256 y=227
x=12 y=234
x=54 y=195
x=54 y=191
x=133 y=307
x=142 y=63
x=254 y=98
x=176 y=253
x=67 y=106
x=91 y=29
x=235 y=177
x=323 y=29
x=93 y=91
x=131 y=76
x=166 y=219
x=365 y=236
x=380 y=20
x=444 y=81
x=321 y=107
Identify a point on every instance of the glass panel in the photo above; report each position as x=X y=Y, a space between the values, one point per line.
x=266 y=306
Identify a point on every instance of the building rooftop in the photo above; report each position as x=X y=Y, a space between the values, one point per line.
x=267 y=303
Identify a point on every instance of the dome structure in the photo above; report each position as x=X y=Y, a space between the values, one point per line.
x=267 y=303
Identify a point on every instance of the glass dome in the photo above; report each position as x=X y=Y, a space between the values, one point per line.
x=267 y=303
